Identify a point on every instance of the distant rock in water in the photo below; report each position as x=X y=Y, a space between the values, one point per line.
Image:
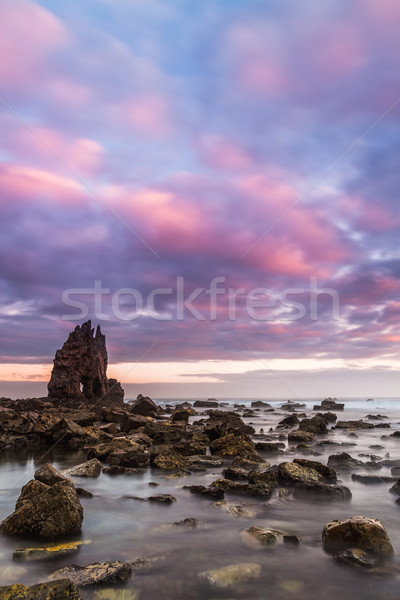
x=80 y=369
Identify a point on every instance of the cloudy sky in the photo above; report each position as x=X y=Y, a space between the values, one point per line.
x=224 y=173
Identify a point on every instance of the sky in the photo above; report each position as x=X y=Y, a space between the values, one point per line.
x=216 y=183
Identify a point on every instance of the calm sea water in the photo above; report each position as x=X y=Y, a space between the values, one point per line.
x=125 y=529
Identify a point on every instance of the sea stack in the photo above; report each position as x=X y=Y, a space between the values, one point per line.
x=80 y=370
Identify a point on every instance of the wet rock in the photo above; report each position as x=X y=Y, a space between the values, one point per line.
x=83 y=493
x=47 y=552
x=57 y=590
x=118 y=470
x=329 y=404
x=136 y=456
x=241 y=467
x=300 y=436
x=270 y=447
x=289 y=421
x=49 y=475
x=182 y=415
x=395 y=471
x=131 y=422
x=206 y=404
x=202 y=463
x=222 y=423
x=162 y=499
x=259 y=490
x=90 y=468
x=169 y=460
x=228 y=577
x=53 y=513
x=83 y=360
x=328 y=475
x=344 y=462
x=353 y=425
x=316 y=425
x=293 y=540
x=190 y=447
x=290 y=473
x=395 y=489
x=235 y=445
x=189 y=523
x=165 y=433
x=105 y=449
x=208 y=492
x=115 y=572
x=318 y=491
x=371 y=479
x=260 y=404
x=357 y=558
x=30 y=490
x=358 y=532
x=262 y=536
x=267 y=478
x=290 y=405
x=145 y=406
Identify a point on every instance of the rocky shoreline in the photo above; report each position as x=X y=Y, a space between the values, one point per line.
x=126 y=439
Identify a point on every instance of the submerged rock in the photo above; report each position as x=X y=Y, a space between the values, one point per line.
x=262 y=536
x=208 y=492
x=115 y=572
x=344 y=462
x=228 y=577
x=53 y=513
x=359 y=532
x=48 y=552
x=316 y=425
x=90 y=468
x=300 y=436
x=372 y=479
x=353 y=425
x=57 y=590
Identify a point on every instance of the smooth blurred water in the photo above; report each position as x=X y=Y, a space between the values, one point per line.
x=126 y=529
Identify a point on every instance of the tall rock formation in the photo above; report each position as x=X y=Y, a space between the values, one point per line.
x=80 y=369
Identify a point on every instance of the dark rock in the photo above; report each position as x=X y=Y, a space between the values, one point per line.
x=293 y=540
x=83 y=493
x=357 y=558
x=344 y=462
x=202 y=463
x=181 y=415
x=63 y=589
x=90 y=468
x=207 y=492
x=371 y=479
x=359 y=532
x=328 y=475
x=136 y=456
x=165 y=433
x=53 y=513
x=266 y=478
x=221 y=423
x=318 y=491
x=131 y=422
x=316 y=425
x=300 y=436
x=145 y=406
x=190 y=447
x=395 y=489
x=241 y=467
x=49 y=475
x=83 y=361
x=263 y=536
x=353 y=425
x=105 y=449
x=289 y=421
x=235 y=445
x=205 y=404
x=395 y=471
x=270 y=447
x=260 y=404
x=290 y=405
x=111 y=573
x=329 y=404
x=162 y=499
x=290 y=473
x=169 y=460
x=189 y=523
x=30 y=490
x=118 y=470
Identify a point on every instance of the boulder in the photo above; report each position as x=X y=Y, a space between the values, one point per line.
x=300 y=436
x=145 y=406
x=235 y=445
x=222 y=423
x=289 y=421
x=262 y=536
x=112 y=573
x=290 y=473
x=202 y=462
x=358 y=532
x=206 y=404
x=165 y=433
x=30 y=490
x=53 y=513
x=169 y=460
x=270 y=447
x=316 y=425
x=207 y=492
x=190 y=447
x=329 y=404
x=260 y=404
x=241 y=467
x=49 y=475
x=102 y=451
x=318 y=491
x=118 y=470
x=63 y=589
x=133 y=422
x=136 y=456
x=344 y=462
x=90 y=468
x=328 y=475
x=354 y=425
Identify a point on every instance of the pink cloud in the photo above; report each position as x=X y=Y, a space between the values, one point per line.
x=222 y=154
x=28 y=35
x=148 y=115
